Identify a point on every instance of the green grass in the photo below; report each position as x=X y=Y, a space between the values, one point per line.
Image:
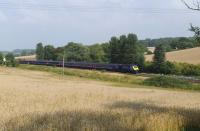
x=170 y=82
x=119 y=79
x=90 y=74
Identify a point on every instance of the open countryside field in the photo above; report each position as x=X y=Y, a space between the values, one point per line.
x=31 y=57
x=190 y=56
x=33 y=100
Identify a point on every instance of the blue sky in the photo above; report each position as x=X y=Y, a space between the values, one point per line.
x=24 y=23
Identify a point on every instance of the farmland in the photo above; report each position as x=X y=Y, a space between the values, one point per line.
x=30 y=57
x=34 y=100
x=190 y=56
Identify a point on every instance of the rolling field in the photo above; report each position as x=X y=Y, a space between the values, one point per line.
x=31 y=57
x=34 y=100
x=190 y=56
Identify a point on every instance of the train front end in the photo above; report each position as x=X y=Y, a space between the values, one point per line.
x=135 y=69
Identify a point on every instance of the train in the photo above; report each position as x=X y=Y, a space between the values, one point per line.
x=124 y=68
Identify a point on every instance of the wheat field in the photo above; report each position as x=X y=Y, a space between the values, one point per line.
x=30 y=57
x=190 y=56
x=33 y=100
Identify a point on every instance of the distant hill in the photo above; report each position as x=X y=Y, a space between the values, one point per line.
x=23 y=52
x=191 y=56
x=20 y=52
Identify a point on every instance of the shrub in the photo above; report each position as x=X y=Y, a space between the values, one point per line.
x=187 y=69
x=167 y=82
x=165 y=68
x=173 y=68
x=10 y=60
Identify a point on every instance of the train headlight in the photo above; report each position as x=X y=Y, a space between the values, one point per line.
x=136 y=68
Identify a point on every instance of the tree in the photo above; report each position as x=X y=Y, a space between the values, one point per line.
x=10 y=60
x=159 y=58
x=126 y=50
x=97 y=53
x=114 y=50
x=59 y=52
x=76 y=52
x=1 y=58
x=40 y=51
x=195 y=6
x=196 y=30
x=106 y=49
x=49 y=53
x=134 y=53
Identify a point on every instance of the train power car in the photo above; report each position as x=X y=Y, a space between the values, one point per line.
x=126 y=68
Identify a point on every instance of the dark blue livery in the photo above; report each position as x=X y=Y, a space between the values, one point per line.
x=126 y=68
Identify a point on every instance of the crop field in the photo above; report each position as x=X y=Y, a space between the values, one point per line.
x=31 y=57
x=35 y=100
x=190 y=56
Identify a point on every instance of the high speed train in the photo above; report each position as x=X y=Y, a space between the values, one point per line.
x=126 y=68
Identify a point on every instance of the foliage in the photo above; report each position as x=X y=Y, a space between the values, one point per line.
x=1 y=58
x=171 y=44
x=26 y=52
x=126 y=50
x=168 y=82
x=10 y=60
x=149 y=52
x=39 y=51
x=159 y=60
x=196 y=30
x=187 y=69
x=107 y=55
x=114 y=50
x=75 y=52
x=49 y=53
x=174 y=68
x=96 y=53
x=22 y=52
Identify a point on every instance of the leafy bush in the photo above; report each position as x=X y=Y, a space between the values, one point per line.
x=187 y=69
x=1 y=58
x=165 y=68
x=10 y=60
x=173 y=68
x=167 y=82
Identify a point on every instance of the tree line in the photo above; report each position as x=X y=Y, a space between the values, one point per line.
x=171 y=44
x=123 y=50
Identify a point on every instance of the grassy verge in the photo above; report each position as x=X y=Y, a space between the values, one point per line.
x=90 y=74
x=120 y=79
x=170 y=82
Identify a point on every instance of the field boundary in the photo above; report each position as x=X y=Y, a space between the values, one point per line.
x=116 y=79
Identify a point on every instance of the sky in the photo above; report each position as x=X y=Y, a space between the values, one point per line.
x=24 y=23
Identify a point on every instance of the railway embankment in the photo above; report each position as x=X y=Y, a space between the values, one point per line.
x=120 y=79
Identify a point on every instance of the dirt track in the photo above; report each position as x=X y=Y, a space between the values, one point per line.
x=24 y=92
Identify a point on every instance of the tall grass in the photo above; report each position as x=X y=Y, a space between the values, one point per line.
x=37 y=101
x=148 y=118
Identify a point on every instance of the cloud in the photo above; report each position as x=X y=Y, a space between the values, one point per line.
x=91 y=21
x=3 y=17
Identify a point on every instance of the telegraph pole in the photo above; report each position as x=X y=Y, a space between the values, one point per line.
x=63 y=63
